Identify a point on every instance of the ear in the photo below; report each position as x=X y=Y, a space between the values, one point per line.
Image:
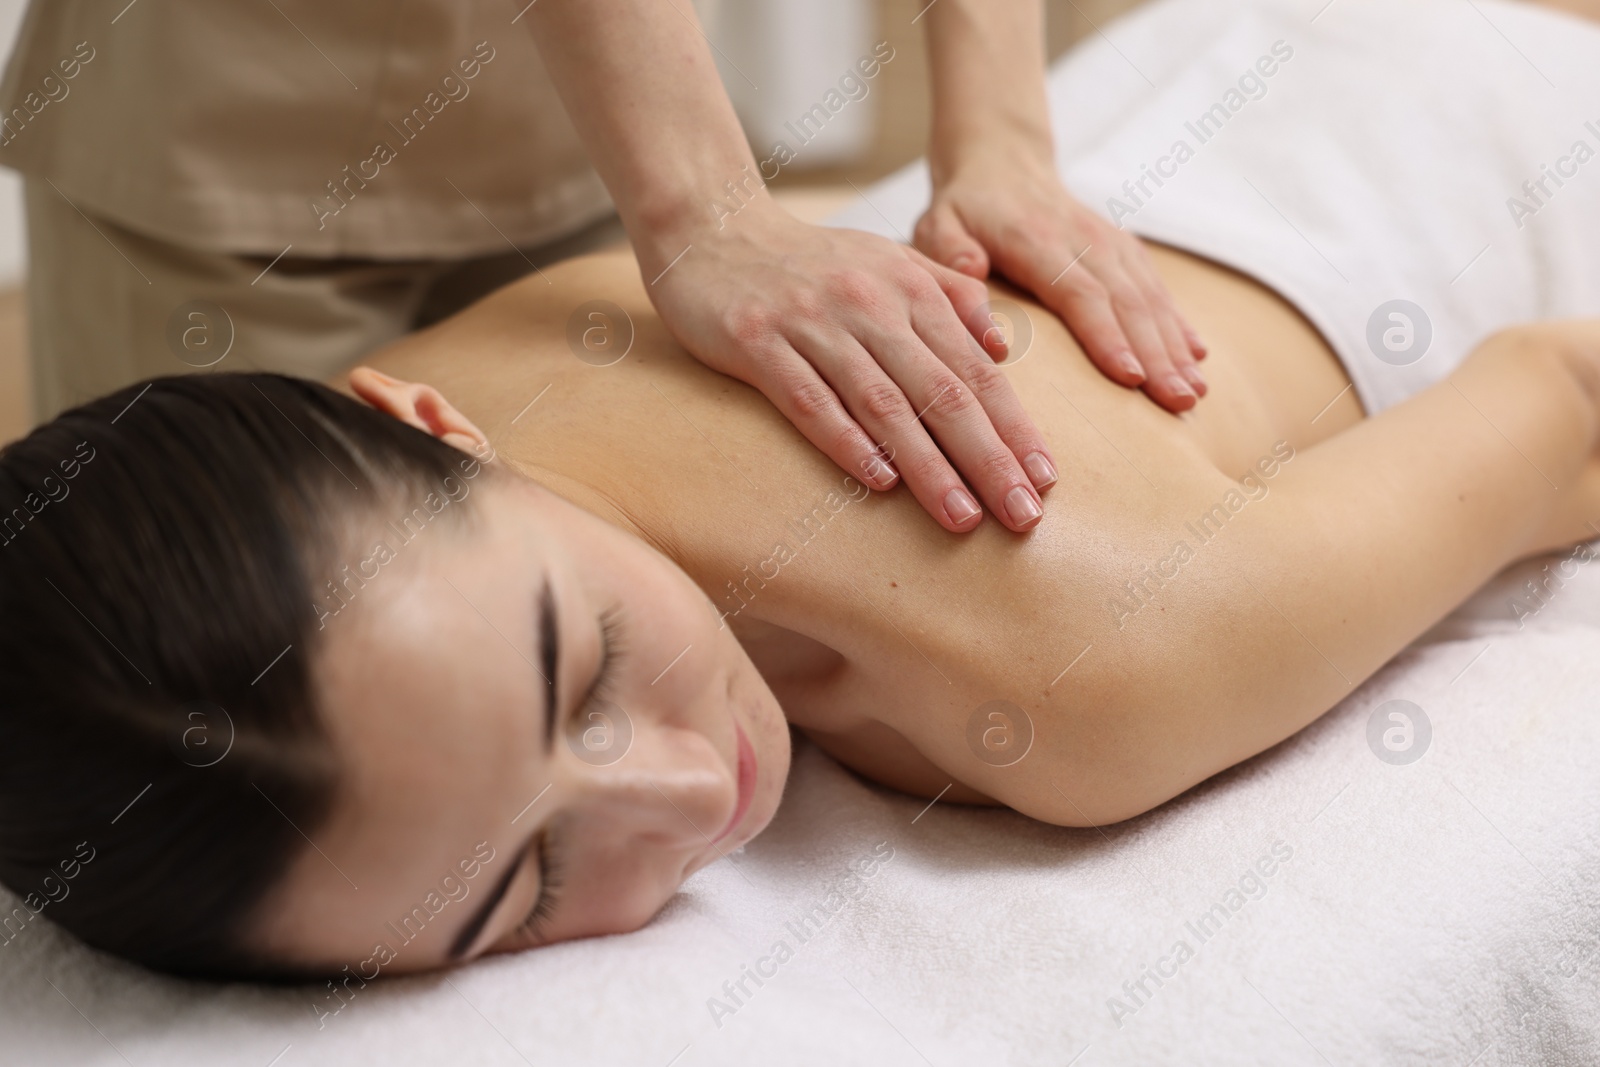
x=421 y=406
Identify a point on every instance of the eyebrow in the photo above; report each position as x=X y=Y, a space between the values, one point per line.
x=549 y=655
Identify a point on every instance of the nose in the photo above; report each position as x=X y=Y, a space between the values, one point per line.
x=670 y=788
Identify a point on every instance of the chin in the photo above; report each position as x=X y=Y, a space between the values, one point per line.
x=770 y=738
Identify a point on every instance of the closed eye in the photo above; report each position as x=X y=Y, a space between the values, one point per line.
x=611 y=649
x=550 y=852
x=551 y=870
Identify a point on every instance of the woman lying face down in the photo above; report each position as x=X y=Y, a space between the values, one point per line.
x=445 y=723
x=327 y=684
x=474 y=688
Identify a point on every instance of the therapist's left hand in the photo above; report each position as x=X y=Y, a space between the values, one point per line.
x=1008 y=210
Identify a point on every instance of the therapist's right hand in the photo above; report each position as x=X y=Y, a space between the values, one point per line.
x=882 y=358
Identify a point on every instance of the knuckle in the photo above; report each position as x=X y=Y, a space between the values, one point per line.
x=811 y=400
x=854 y=288
x=749 y=325
x=911 y=277
x=883 y=402
x=985 y=378
x=926 y=467
x=948 y=396
x=995 y=466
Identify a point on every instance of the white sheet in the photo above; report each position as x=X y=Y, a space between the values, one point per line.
x=1441 y=912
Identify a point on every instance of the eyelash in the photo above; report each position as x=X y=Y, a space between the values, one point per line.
x=611 y=649
x=549 y=857
x=551 y=870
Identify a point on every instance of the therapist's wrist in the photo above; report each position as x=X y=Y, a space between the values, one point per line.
x=664 y=230
x=1019 y=147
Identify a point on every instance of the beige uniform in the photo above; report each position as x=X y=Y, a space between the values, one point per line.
x=389 y=159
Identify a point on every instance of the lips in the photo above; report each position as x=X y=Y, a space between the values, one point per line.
x=747 y=781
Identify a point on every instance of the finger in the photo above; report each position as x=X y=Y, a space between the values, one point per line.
x=924 y=362
x=882 y=408
x=1176 y=335
x=992 y=389
x=970 y=300
x=796 y=388
x=1177 y=341
x=1083 y=304
x=942 y=236
x=1163 y=383
x=1173 y=340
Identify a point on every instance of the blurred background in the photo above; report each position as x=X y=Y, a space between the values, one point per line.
x=795 y=49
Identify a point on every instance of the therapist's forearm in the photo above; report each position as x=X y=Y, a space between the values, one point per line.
x=987 y=61
x=639 y=83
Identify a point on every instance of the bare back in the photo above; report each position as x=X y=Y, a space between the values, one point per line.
x=865 y=617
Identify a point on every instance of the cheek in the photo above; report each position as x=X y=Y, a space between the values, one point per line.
x=616 y=892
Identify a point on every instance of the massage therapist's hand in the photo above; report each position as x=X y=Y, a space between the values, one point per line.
x=870 y=349
x=998 y=203
x=1002 y=212
x=859 y=341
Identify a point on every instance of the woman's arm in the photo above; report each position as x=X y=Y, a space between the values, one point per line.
x=1365 y=541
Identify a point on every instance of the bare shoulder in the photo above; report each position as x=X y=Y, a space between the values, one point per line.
x=1586 y=9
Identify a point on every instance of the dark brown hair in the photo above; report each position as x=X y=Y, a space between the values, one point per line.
x=156 y=634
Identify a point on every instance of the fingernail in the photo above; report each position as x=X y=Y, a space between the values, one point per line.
x=1177 y=385
x=960 y=507
x=879 y=474
x=1040 y=469
x=1021 y=506
x=1128 y=363
x=1196 y=379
